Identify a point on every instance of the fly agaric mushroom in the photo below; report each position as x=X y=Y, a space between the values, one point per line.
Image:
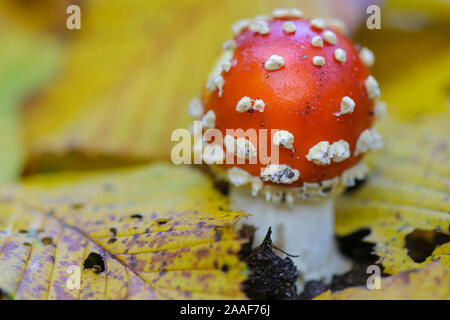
x=310 y=86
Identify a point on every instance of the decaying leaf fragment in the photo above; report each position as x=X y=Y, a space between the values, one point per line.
x=409 y=190
x=270 y=276
x=158 y=232
x=431 y=283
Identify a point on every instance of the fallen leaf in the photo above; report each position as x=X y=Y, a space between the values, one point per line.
x=408 y=190
x=424 y=11
x=424 y=88
x=37 y=15
x=412 y=68
x=158 y=232
x=429 y=283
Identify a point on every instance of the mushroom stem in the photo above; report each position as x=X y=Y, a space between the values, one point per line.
x=305 y=230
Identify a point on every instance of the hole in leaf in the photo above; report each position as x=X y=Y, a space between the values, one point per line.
x=421 y=243
x=162 y=221
x=358 y=185
x=113 y=231
x=47 y=241
x=94 y=261
x=354 y=247
x=225 y=268
x=137 y=216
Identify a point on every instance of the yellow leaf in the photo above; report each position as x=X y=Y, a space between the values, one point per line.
x=429 y=283
x=428 y=11
x=36 y=15
x=162 y=232
x=413 y=69
x=422 y=89
x=408 y=190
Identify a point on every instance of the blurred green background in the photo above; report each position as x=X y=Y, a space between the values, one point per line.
x=111 y=93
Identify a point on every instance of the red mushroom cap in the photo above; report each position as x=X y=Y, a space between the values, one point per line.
x=306 y=80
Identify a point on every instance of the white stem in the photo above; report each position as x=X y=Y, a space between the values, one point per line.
x=305 y=229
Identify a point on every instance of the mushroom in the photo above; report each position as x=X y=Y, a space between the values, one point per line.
x=310 y=88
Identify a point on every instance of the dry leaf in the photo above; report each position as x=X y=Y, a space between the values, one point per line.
x=429 y=283
x=162 y=232
x=408 y=190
